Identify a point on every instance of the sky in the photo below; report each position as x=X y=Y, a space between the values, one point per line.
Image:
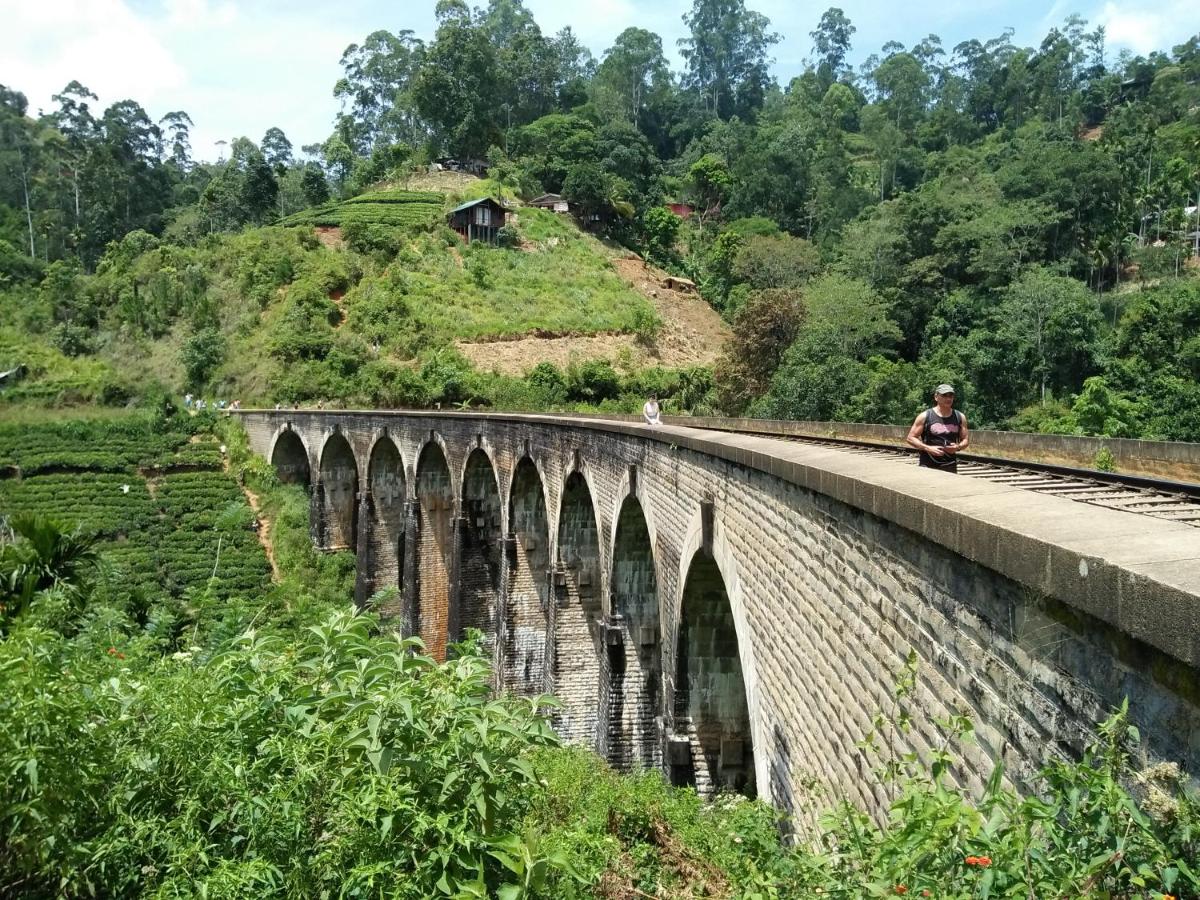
x=239 y=67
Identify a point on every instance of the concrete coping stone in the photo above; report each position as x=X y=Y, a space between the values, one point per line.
x=1138 y=573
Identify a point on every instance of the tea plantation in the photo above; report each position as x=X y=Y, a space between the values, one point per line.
x=166 y=514
x=390 y=207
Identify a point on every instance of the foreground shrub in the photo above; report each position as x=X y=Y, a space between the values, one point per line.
x=337 y=762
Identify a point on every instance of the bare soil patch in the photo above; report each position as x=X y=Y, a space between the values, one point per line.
x=330 y=236
x=693 y=334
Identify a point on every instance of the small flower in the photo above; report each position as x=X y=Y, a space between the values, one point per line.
x=926 y=893
x=982 y=861
x=113 y=651
x=900 y=889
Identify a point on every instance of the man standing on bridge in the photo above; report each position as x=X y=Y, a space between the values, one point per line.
x=939 y=433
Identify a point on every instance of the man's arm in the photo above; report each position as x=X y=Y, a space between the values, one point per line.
x=914 y=437
x=964 y=439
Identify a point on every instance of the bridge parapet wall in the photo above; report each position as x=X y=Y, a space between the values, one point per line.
x=1032 y=614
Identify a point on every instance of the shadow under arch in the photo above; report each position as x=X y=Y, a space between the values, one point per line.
x=525 y=619
x=482 y=548
x=289 y=456
x=711 y=705
x=382 y=517
x=434 y=550
x=576 y=615
x=337 y=488
x=634 y=695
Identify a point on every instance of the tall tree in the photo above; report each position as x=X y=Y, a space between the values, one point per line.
x=727 y=56
x=17 y=152
x=633 y=67
x=177 y=127
x=831 y=39
x=378 y=81
x=456 y=90
x=276 y=149
x=75 y=121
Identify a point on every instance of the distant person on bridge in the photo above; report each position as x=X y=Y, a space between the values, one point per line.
x=938 y=434
x=650 y=411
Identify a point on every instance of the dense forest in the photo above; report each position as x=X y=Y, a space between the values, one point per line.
x=1021 y=221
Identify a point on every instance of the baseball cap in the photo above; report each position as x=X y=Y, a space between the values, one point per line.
x=944 y=389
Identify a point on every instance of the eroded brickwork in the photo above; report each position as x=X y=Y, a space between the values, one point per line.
x=339 y=486
x=710 y=690
x=526 y=605
x=634 y=652
x=482 y=549
x=434 y=550
x=825 y=602
x=385 y=541
x=577 y=612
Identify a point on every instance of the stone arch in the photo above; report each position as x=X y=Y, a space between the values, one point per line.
x=434 y=550
x=577 y=616
x=634 y=650
x=337 y=487
x=482 y=546
x=289 y=456
x=526 y=608
x=382 y=525
x=712 y=705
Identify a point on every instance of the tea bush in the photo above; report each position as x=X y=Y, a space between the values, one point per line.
x=334 y=761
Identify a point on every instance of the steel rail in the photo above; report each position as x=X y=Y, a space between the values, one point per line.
x=1157 y=497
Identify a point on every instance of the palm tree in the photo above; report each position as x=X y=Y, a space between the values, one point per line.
x=39 y=555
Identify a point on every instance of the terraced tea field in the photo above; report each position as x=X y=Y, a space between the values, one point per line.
x=406 y=209
x=167 y=516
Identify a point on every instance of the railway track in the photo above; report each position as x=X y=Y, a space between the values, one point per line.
x=1177 y=501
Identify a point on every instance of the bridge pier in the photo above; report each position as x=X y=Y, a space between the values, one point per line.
x=366 y=569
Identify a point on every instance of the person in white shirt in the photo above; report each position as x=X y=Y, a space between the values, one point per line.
x=650 y=411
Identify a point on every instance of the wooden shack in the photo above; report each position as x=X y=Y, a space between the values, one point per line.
x=553 y=202
x=478 y=220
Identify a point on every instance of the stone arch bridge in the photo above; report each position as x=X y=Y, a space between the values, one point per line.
x=734 y=609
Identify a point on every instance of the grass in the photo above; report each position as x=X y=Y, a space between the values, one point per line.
x=562 y=284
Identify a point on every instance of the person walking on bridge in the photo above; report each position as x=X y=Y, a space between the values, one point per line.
x=939 y=433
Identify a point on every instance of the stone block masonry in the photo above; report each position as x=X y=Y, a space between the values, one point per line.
x=743 y=630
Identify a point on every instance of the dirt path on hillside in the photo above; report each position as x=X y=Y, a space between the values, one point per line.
x=264 y=531
x=692 y=334
x=264 y=523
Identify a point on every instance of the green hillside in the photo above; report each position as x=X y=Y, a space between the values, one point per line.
x=368 y=315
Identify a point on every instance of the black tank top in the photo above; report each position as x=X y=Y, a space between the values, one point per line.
x=940 y=431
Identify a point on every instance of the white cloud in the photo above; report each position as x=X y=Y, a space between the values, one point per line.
x=101 y=43
x=199 y=14
x=234 y=69
x=1144 y=27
